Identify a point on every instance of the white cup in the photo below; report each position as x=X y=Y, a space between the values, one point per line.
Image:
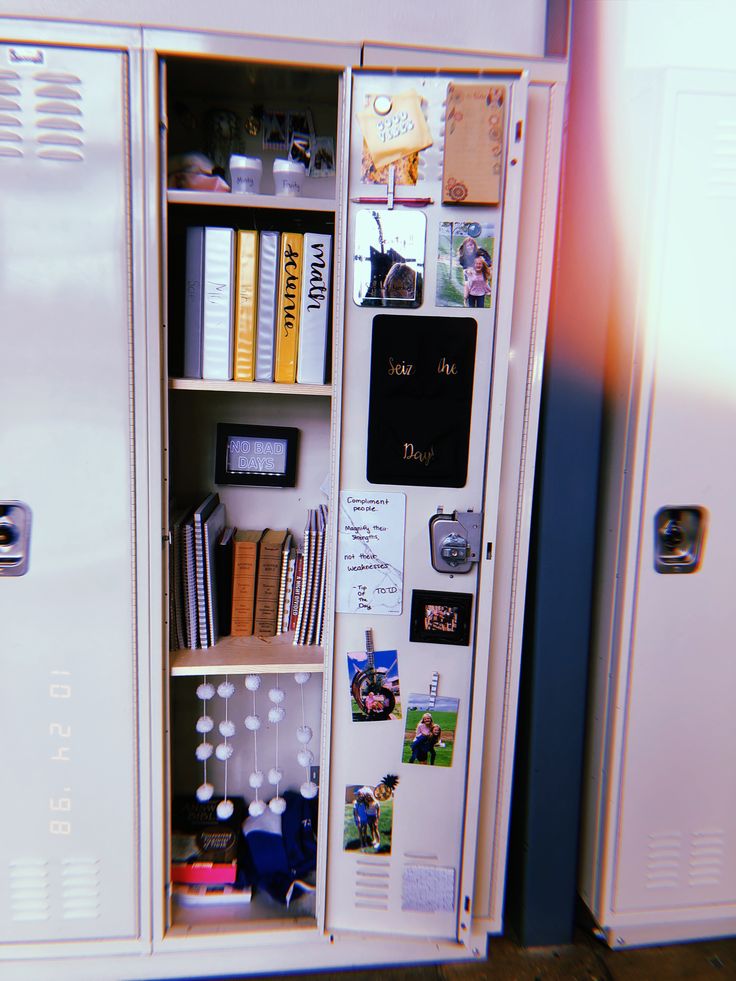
x=245 y=174
x=288 y=177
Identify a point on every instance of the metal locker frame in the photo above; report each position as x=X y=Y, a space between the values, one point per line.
x=514 y=476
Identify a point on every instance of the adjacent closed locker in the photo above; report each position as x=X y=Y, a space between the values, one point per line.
x=67 y=555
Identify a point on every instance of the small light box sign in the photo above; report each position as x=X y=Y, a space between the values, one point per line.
x=255 y=456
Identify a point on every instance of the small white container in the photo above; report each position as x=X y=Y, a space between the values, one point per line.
x=288 y=177
x=245 y=174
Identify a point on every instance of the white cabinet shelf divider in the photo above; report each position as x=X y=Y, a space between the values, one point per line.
x=285 y=202
x=249 y=655
x=255 y=388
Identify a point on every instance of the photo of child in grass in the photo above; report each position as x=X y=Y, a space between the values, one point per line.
x=429 y=737
x=465 y=264
x=368 y=821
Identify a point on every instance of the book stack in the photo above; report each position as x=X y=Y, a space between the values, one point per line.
x=256 y=305
x=226 y=581
x=204 y=853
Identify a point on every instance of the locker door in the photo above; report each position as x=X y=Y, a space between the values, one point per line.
x=68 y=849
x=408 y=332
x=676 y=844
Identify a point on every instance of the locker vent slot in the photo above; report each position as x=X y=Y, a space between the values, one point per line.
x=11 y=140
x=80 y=889
x=722 y=179
x=29 y=891
x=706 y=857
x=59 y=119
x=372 y=886
x=664 y=858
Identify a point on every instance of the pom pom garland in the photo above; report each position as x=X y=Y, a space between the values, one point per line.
x=252 y=722
x=256 y=808
x=252 y=682
x=275 y=775
x=276 y=714
x=227 y=728
x=205 y=691
x=226 y=689
x=256 y=779
x=223 y=751
x=304 y=734
x=305 y=756
x=225 y=809
x=204 y=724
x=203 y=751
x=277 y=805
x=277 y=695
x=308 y=789
x=205 y=792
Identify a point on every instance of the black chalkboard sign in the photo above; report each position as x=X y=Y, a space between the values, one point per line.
x=421 y=398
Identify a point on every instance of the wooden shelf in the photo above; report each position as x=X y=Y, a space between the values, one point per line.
x=249 y=655
x=255 y=388
x=283 y=202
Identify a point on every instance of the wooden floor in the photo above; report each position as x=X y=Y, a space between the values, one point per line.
x=585 y=960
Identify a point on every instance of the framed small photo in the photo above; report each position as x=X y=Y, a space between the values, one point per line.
x=440 y=618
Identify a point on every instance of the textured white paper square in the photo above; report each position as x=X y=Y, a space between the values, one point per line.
x=428 y=889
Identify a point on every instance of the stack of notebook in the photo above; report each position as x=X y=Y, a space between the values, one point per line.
x=226 y=581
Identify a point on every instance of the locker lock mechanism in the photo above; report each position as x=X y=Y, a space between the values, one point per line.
x=454 y=540
x=15 y=538
x=679 y=533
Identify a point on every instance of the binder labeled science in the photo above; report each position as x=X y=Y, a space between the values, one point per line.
x=217 y=304
x=246 y=291
x=315 y=309
x=268 y=282
x=288 y=310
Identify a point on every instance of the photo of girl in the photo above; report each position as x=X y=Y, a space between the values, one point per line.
x=462 y=281
x=429 y=737
x=477 y=283
x=368 y=821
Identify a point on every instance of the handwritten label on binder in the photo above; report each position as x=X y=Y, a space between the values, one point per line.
x=370 y=551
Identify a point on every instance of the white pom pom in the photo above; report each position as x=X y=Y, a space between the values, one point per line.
x=203 y=751
x=277 y=805
x=276 y=714
x=205 y=691
x=256 y=779
x=302 y=677
x=303 y=734
x=225 y=809
x=223 y=751
x=227 y=728
x=305 y=757
x=277 y=695
x=226 y=689
x=205 y=724
x=205 y=792
x=252 y=682
x=256 y=808
x=275 y=775
x=309 y=789
x=252 y=722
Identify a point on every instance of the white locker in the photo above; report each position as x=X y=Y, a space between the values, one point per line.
x=69 y=277
x=658 y=837
x=138 y=712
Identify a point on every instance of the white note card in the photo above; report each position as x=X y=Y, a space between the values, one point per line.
x=370 y=552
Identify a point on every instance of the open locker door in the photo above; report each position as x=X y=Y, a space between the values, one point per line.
x=434 y=188
x=67 y=500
